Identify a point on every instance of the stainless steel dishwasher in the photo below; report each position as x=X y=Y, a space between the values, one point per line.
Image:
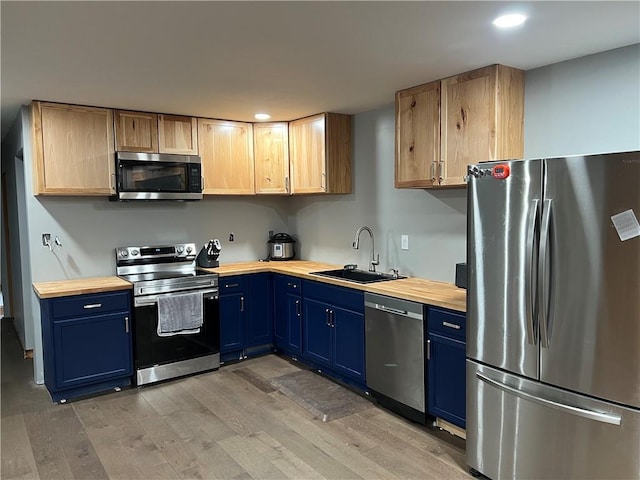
x=395 y=343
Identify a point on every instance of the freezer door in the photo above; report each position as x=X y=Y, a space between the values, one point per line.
x=590 y=278
x=519 y=428
x=502 y=220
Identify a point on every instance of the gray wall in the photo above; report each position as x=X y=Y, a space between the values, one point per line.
x=587 y=105
x=435 y=221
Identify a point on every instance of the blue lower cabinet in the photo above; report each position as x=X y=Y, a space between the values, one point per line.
x=246 y=316
x=333 y=319
x=232 y=319
x=86 y=343
x=287 y=314
x=446 y=365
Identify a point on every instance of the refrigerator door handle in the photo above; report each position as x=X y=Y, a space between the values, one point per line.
x=581 y=412
x=532 y=332
x=543 y=274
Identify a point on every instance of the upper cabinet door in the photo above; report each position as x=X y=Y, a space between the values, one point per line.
x=226 y=149
x=73 y=149
x=320 y=154
x=177 y=134
x=308 y=155
x=136 y=131
x=271 y=154
x=417 y=136
x=482 y=119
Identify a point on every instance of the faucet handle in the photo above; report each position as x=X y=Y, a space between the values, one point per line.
x=395 y=272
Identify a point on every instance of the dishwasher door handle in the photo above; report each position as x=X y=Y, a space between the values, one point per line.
x=394 y=311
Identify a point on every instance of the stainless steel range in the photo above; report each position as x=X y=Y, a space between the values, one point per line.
x=176 y=320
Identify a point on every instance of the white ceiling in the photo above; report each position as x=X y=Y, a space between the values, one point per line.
x=291 y=59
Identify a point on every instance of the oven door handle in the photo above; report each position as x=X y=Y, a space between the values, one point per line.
x=147 y=300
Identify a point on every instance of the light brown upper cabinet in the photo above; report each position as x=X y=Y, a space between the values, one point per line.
x=417 y=136
x=177 y=134
x=271 y=155
x=481 y=118
x=73 y=149
x=320 y=154
x=226 y=149
x=136 y=131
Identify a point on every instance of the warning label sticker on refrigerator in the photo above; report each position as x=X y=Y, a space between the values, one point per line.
x=626 y=225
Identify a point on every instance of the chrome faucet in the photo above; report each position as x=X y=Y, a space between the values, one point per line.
x=375 y=260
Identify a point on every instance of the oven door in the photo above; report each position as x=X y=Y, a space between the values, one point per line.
x=151 y=350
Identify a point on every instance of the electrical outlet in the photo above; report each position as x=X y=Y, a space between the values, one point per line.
x=231 y=237
x=404 y=242
x=46 y=239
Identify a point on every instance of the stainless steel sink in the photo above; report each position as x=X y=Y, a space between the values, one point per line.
x=358 y=276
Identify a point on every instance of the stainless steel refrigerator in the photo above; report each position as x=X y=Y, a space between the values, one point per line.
x=553 y=318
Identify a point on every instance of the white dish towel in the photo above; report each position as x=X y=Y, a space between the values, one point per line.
x=179 y=314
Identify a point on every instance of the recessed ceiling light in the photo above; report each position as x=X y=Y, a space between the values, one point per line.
x=262 y=116
x=509 y=21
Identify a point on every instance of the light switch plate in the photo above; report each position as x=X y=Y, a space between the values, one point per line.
x=404 y=242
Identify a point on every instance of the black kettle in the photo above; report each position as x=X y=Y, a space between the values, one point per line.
x=209 y=254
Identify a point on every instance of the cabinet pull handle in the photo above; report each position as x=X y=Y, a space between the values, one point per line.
x=451 y=325
x=242 y=304
x=298 y=307
x=440 y=171
x=433 y=171
x=323 y=181
x=428 y=349
x=201 y=183
x=230 y=285
x=333 y=322
x=113 y=182
x=328 y=320
x=92 y=305
x=286 y=184
x=126 y=324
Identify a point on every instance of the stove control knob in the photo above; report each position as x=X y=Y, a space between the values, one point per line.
x=124 y=254
x=180 y=249
x=134 y=252
x=189 y=250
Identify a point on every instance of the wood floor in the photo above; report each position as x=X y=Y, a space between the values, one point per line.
x=227 y=424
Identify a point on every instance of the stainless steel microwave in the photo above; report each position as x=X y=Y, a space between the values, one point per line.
x=153 y=176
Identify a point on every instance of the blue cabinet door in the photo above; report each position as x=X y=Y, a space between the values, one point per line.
x=280 y=311
x=348 y=345
x=259 y=310
x=232 y=318
x=91 y=349
x=294 y=323
x=447 y=379
x=317 y=331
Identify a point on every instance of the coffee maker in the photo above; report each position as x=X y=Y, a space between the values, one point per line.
x=208 y=256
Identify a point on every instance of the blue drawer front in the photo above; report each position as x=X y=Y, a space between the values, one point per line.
x=293 y=285
x=448 y=322
x=233 y=284
x=348 y=298
x=83 y=305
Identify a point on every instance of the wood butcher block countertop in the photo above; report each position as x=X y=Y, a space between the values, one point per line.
x=430 y=292
x=79 y=286
x=441 y=294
